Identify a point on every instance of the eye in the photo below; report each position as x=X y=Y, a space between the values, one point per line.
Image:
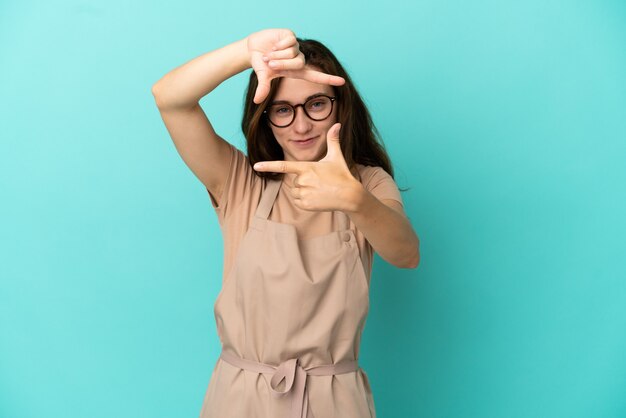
x=281 y=110
x=318 y=104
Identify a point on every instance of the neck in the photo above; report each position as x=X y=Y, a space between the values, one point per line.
x=288 y=178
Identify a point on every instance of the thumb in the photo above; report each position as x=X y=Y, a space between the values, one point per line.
x=262 y=89
x=333 y=143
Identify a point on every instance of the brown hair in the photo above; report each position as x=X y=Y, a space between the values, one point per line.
x=360 y=140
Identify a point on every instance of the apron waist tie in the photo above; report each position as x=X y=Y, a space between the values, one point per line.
x=293 y=374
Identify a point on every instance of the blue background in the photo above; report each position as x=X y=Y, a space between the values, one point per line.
x=506 y=119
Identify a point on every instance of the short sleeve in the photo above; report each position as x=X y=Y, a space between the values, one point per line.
x=239 y=183
x=380 y=184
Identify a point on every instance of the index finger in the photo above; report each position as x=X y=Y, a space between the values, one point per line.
x=297 y=167
x=316 y=77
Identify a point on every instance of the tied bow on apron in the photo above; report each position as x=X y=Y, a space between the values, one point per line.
x=295 y=377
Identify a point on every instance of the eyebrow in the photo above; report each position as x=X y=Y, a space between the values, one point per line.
x=305 y=100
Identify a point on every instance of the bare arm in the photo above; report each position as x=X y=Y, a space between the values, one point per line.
x=177 y=95
x=184 y=86
x=386 y=227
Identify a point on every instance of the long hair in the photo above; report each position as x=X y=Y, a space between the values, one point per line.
x=360 y=140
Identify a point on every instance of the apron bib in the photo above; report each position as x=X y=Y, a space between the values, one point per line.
x=292 y=311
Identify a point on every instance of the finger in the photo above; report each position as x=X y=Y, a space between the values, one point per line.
x=296 y=63
x=318 y=77
x=283 y=54
x=263 y=89
x=297 y=167
x=304 y=204
x=333 y=143
x=287 y=39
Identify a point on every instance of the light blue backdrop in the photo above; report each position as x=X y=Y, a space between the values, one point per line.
x=506 y=119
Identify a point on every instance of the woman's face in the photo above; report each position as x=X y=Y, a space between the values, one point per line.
x=296 y=91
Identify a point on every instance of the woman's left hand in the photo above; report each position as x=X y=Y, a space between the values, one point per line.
x=323 y=185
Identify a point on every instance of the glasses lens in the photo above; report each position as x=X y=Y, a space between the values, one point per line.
x=280 y=114
x=318 y=108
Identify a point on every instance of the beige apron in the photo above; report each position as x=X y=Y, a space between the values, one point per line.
x=290 y=316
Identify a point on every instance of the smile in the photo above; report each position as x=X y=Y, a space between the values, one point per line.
x=304 y=143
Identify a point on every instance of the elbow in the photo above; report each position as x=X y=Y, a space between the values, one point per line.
x=414 y=262
x=156 y=95
x=159 y=93
x=155 y=88
x=414 y=259
x=410 y=262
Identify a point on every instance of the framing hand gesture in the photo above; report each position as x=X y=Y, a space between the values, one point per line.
x=322 y=185
x=275 y=53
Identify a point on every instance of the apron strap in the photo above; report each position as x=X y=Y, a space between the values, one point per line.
x=347 y=222
x=267 y=198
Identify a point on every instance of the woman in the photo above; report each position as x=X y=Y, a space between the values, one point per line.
x=301 y=216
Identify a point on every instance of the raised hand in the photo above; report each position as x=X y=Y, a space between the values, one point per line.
x=275 y=53
x=322 y=185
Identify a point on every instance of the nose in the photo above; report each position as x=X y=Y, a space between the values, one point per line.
x=302 y=123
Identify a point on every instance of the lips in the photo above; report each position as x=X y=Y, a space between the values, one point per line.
x=303 y=140
x=304 y=143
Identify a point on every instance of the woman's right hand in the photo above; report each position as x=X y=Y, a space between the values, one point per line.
x=275 y=53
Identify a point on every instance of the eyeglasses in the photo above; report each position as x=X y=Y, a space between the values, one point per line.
x=317 y=108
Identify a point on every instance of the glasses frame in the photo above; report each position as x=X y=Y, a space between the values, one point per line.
x=295 y=109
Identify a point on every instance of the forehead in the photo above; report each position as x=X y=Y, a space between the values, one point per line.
x=296 y=90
